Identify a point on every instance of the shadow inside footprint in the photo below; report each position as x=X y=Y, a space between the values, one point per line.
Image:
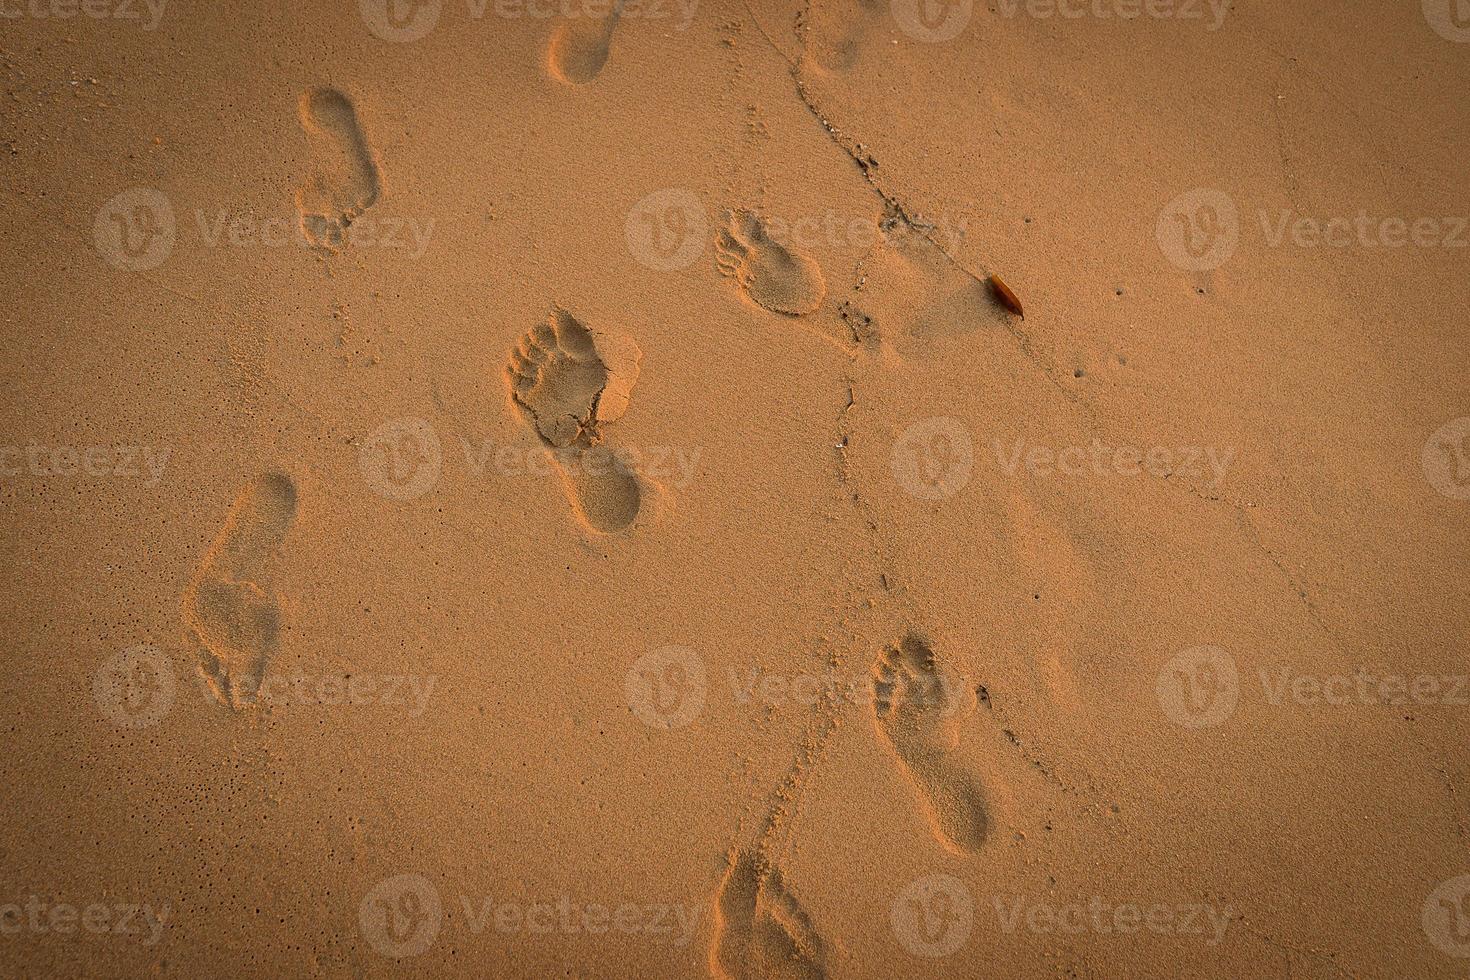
x=579 y=48
x=348 y=183
x=568 y=383
x=760 y=929
x=235 y=619
x=778 y=278
x=916 y=709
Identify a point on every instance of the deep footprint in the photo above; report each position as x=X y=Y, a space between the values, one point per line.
x=348 y=183
x=775 y=277
x=579 y=48
x=760 y=929
x=235 y=619
x=568 y=383
x=917 y=711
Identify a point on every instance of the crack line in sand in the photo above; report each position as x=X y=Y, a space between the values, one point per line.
x=899 y=211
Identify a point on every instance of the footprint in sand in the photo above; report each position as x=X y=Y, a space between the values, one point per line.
x=833 y=31
x=917 y=711
x=579 y=48
x=569 y=381
x=235 y=619
x=778 y=278
x=348 y=183
x=760 y=929
x=1054 y=566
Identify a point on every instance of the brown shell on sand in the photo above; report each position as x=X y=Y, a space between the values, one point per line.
x=1007 y=298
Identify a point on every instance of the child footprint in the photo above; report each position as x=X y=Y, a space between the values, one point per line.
x=579 y=48
x=234 y=618
x=568 y=381
x=780 y=279
x=760 y=929
x=349 y=183
x=915 y=709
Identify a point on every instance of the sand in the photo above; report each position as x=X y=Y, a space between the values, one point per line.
x=526 y=489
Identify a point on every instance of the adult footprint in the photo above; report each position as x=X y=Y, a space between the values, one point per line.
x=760 y=929
x=917 y=711
x=235 y=619
x=348 y=183
x=579 y=48
x=569 y=382
x=778 y=278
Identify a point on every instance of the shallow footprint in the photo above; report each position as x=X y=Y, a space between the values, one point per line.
x=774 y=276
x=234 y=618
x=833 y=31
x=760 y=929
x=568 y=382
x=349 y=183
x=579 y=48
x=917 y=711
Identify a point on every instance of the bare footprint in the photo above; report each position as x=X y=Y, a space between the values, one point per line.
x=348 y=183
x=579 y=48
x=833 y=31
x=235 y=619
x=917 y=710
x=760 y=929
x=569 y=381
x=778 y=278
x=914 y=297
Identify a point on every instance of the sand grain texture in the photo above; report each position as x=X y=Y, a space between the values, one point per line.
x=527 y=496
